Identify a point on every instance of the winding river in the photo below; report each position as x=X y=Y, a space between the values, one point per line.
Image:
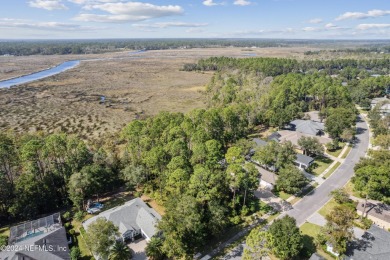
x=53 y=71
x=39 y=75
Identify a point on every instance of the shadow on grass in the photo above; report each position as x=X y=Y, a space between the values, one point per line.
x=324 y=159
x=308 y=247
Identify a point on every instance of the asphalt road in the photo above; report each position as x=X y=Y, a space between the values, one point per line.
x=316 y=199
x=319 y=196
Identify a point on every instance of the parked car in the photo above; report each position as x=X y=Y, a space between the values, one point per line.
x=93 y=210
x=96 y=205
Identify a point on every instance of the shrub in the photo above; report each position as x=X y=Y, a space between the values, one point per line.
x=366 y=223
x=244 y=211
x=3 y=241
x=235 y=220
x=79 y=216
x=75 y=253
x=66 y=216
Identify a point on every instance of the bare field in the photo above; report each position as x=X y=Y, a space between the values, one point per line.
x=134 y=86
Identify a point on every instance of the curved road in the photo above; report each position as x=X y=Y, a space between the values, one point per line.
x=315 y=200
x=319 y=196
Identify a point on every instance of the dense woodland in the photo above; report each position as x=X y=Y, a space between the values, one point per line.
x=193 y=164
x=63 y=47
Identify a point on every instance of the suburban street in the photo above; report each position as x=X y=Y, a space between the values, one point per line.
x=315 y=200
x=318 y=197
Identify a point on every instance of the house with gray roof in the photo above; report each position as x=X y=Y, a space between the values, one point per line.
x=309 y=127
x=275 y=136
x=303 y=161
x=133 y=218
x=374 y=244
x=41 y=239
x=383 y=105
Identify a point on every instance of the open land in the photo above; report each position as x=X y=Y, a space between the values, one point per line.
x=134 y=86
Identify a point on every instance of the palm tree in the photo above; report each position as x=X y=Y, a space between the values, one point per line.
x=120 y=251
x=154 y=249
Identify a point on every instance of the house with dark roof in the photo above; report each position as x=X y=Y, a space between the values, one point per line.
x=303 y=161
x=309 y=127
x=374 y=244
x=133 y=218
x=275 y=136
x=41 y=239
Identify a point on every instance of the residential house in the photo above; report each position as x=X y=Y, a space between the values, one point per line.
x=378 y=212
x=41 y=239
x=383 y=103
x=374 y=244
x=303 y=161
x=309 y=127
x=275 y=136
x=134 y=218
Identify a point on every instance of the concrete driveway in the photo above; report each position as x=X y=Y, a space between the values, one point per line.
x=138 y=249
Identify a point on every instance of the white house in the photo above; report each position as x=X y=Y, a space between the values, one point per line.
x=133 y=218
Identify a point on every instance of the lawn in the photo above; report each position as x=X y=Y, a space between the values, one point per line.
x=346 y=152
x=320 y=165
x=77 y=227
x=4 y=231
x=310 y=229
x=283 y=195
x=337 y=152
x=327 y=207
x=309 y=232
x=337 y=164
x=350 y=190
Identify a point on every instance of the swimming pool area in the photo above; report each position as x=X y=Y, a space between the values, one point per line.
x=30 y=235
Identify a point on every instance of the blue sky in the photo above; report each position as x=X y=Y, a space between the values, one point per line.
x=291 y=19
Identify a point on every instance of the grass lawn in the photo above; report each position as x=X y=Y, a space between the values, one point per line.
x=307 y=190
x=283 y=195
x=346 y=152
x=320 y=164
x=310 y=229
x=4 y=231
x=327 y=207
x=309 y=232
x=349 y=188
x=85 y=253
x=332 y=169
x=337 y=152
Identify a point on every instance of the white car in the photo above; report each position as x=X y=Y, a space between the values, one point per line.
x=93 y=210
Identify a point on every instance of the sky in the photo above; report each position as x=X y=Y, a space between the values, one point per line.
x=285 y=19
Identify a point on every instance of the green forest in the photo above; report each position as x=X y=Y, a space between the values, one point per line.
x=64 y=47
x=192 y=164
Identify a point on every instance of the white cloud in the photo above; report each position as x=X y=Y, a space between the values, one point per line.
x=195 y=30
x=315 y=20
x=83 y=2
x=368 y=26
x=242 y=2
x=12 y=23
x=129 y=11
x=310 y=29
x=358 y=15
x=211 y=3
x=48 y=4
x=169 y=24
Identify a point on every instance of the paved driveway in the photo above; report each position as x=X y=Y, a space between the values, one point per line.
x=316 y=199
x=138 y=249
